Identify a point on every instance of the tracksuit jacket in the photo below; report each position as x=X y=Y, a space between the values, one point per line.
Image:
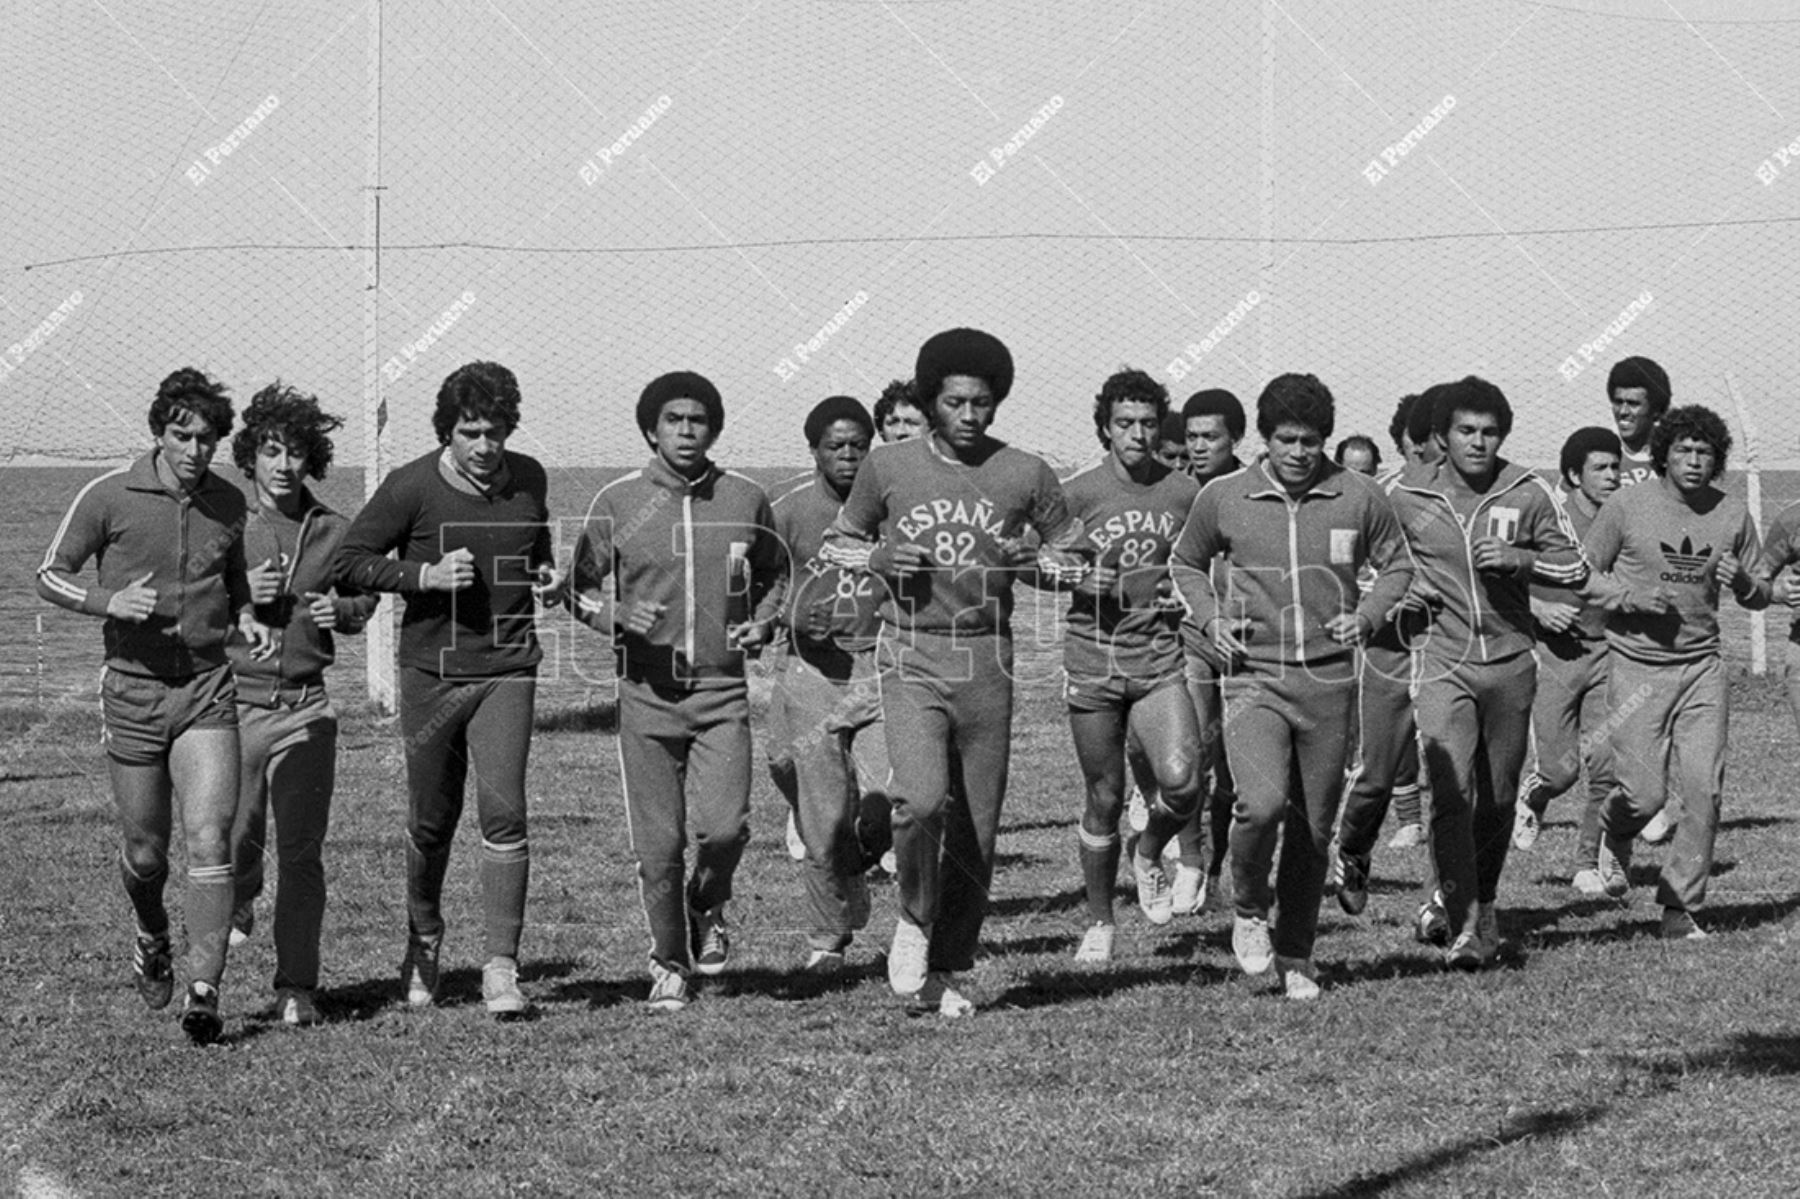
x=190 y=543
x=704 y=548
x=1321 y=546
x=303 y=550
x=1487 y=611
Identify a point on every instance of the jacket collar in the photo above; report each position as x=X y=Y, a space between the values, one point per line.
x=667 y=477
x=1260 y=483
x=142 y=476
x=1436 y=479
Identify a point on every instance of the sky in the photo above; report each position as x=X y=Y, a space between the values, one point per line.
x=1385 y=193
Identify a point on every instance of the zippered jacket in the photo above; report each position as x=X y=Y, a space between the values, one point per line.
x=190 y=544
x=1485 y=616
x=1291 y=564
x=705 y=549
x=488 y=628
x=303 y=551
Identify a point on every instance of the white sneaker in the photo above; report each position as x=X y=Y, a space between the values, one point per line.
x=1096 y=944
x=668 y=989
x=795 y=846
x=1526 y=826
x=500 y=989
x=1137 y=810
x=1250 y=942
x=1408 y=836
x=825 y=961
x=907 y=956
x=294 y=1005
x=1299 y=978
x=940 y=992
x=1659 y=829
x=1588 y=882
x=1153 y=890
x=1187 y=894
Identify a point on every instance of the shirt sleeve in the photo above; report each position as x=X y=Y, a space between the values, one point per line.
x=1049 y=512
x=1605 y=537
x=1190 y=564
x=1747 y=545
x=80 y=536
x=769 y=565
x=1779 y=550
x=1391 y=558
x=1558 y=558
x=592 y=565
x=362 y=562
x=849 y=541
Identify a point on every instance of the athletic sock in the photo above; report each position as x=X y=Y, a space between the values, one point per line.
x=425 y=890
x=505 y=871
x=210 y=899
x=1099 y=867
x=145 y=891
x=1407 y=807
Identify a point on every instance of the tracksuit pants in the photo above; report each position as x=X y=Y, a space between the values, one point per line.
x=288 y=766
x=1290 y=735
x=1569 y=726
x=684 y=764
x=450 y=727
x=1387 y=764
x=1218 y=794
x=1670 y=724
x=825 y=723
x=947 y=702
x=1474 y=723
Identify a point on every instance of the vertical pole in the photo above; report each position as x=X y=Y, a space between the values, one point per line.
x=1759 y=623
x=380 y=631
x=1266 y=269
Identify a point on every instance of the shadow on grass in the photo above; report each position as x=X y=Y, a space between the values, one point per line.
x=1746 y=1054
x=599 y=716
x=1539 y=923
x=1753 y=822
x=792 y=984
x=1556 y=1123
x=369 y=998
x=1034 y=826
x=1054 y=988
x=1037 y=905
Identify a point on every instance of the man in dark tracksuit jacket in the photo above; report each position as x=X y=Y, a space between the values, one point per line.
x=1479 y=527
x=471 y=525
x=680 y=562
x=942 y=519
x=1295 y=531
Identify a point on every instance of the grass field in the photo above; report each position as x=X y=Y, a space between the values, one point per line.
x=1597 y=1059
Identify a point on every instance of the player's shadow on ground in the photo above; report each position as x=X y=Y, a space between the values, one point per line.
x=1074 y=984
x=456 y=988
x=599 y=716
x=1415 y=1170
x=1744 y=1054
x=1540 y=924
x=1033 y=826
x=1742 y=823
x=795 y=984
x=1008 y=906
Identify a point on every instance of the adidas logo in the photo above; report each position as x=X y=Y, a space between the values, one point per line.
x=1689 y=563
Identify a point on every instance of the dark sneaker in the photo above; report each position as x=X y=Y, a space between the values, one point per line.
x=1353 y=884
x=1615 y=866
x=711 y=945
x=153 y=971
x=1433 y=924
x=419 y=970
x=200 y=1014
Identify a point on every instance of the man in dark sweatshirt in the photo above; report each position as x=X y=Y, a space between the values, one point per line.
x=470 y=526
x=286 y=725
x=680 y=563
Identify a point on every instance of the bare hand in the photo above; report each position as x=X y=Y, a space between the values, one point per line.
x=260 y=636
x=1655 y=602
x=550 y=586
x=1556 y=617
x=1787 y=590
x=1227 y=637
x=134 y=602
x=1493 y=554
x=1348 y=628
x=642 y=615
x=1167 y=599
x=751 y=635
x=1730 y=572
x=322 y=609
x=1016 y=553
x=265 y=582
x=818 y=623
x=908 y=559
x=455 y=571
x=1421 y=599
x=1100 y=581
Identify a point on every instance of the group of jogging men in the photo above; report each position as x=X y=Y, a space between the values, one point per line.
x=1264 y=653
